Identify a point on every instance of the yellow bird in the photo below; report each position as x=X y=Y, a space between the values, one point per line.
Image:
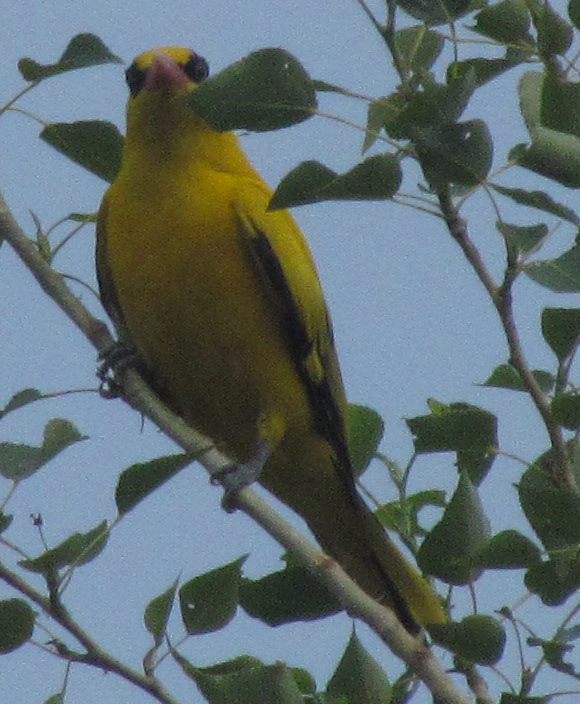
x=221 y=299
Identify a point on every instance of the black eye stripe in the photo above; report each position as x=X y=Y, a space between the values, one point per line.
x=135 y=78
x=196 y=68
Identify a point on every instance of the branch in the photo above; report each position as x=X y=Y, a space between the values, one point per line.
x=501 y=297
x=94 y=655
x=358 y=604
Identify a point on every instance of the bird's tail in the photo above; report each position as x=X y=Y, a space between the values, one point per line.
x=353 y=536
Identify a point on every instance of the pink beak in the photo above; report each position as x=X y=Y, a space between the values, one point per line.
x=165 y=71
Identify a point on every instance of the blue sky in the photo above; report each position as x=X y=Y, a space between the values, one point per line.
x=411 y=322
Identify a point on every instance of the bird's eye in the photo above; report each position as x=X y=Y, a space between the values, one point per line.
x=196 y=68
x=135 y=78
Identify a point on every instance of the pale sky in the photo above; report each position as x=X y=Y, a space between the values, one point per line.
x=411 y=322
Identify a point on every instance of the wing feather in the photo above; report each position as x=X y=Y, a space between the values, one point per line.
x=109 y=297
x=283 y=261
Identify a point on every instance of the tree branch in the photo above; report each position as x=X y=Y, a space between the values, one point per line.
x=94 y=656
x=501 y=297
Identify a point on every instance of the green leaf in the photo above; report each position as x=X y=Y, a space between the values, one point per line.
x=468 y=430
x=389 y=113
x=395 y=514
x=266 y=90
x=244 y=680
x=508 y=550
x=561 y=330
x=449 y=549
x=19 y=461
x=566 y=410
x=539 y=200
x=552 y=511
x=523 y=238
x=326 y=87
x=221 y=669
x=76 y=550
x=568 y=635
x=208 y=602
x=480 y=639
x=291 y=594
x=560 y=104
x=366 y=428
x=508 y=698
x=358 y=677
x=457 y=426
x=455 y=153
x=561 y=274
x=554 y=580
x=302 y=185
x=403 y=688
x=139 y=480
x=434 y=109
x=552 y=153
x=57 y=698
x=555 y=35
x=82 y=217
x=554 y=652
x=5 y=521
x=378 y=177
x=506 y=377
x=484 y=70
x=82 y=51
x=574 y=12
x=158 y=611
x=377 y=115
x=20 y=399
x=58 y=435
x=418 y=47
x=507 y=22
x=441 y=12
x=16 y=624
x=95 y=145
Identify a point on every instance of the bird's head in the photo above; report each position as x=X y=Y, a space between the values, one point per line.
x=171 y=69
x=158 y=79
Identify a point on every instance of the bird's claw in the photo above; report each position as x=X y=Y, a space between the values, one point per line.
x=116 y=360
x=234 y=477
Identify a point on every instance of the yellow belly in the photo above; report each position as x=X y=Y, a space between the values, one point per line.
x=196 y=311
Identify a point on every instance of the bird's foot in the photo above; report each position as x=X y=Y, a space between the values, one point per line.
x=234 y=476
x=116 y=360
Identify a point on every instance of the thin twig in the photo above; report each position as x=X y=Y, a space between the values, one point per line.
x=388 y=35
x=361 y=128
x=31 y=115
x=370 y=15
x=18 y=95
